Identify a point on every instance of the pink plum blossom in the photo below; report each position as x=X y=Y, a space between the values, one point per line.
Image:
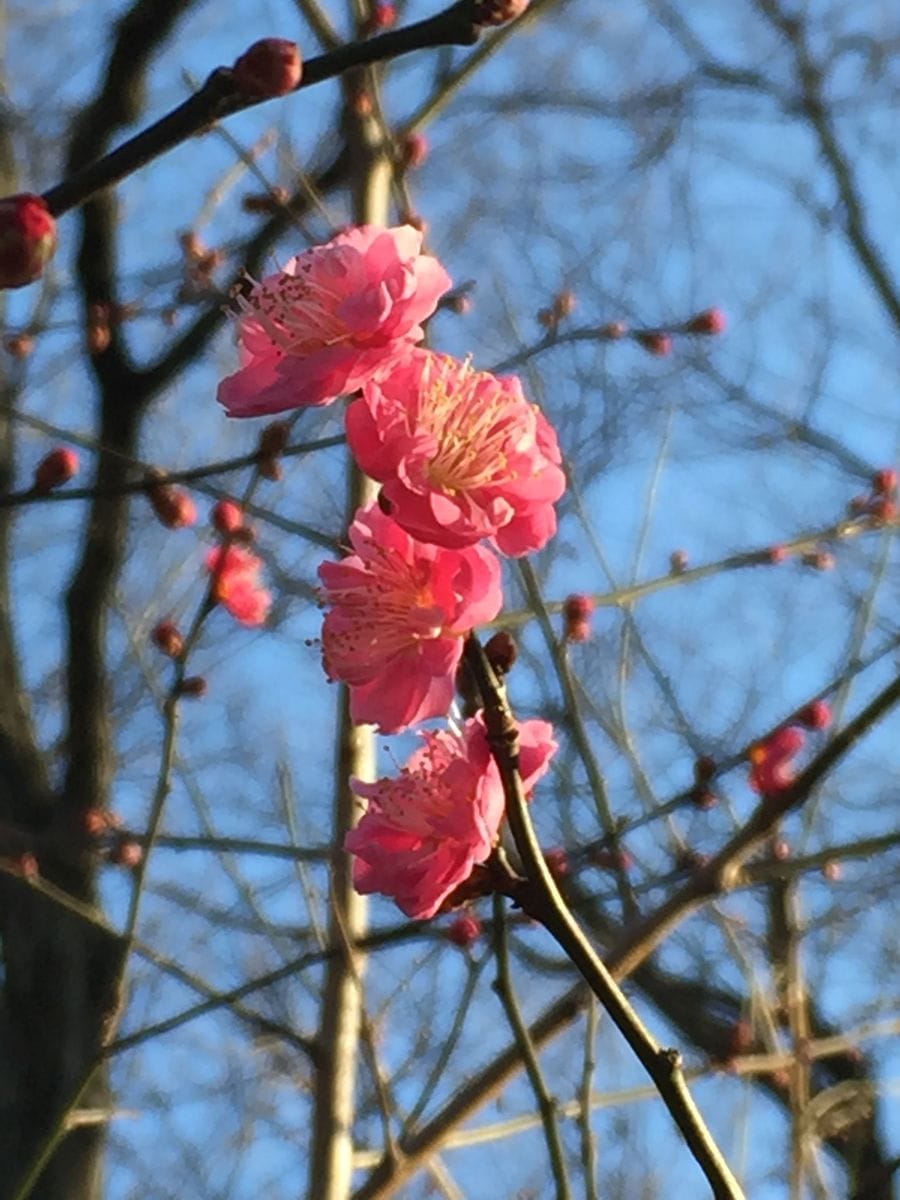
x=461 y=453
x=332 y=318
x=399 y=612
x=425 y=830
x=235 y=584
x=772 y=768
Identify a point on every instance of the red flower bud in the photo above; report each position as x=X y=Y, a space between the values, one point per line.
x=57 y=468
x=228 y=516
x=167 y=638
x=194 y=686
x=884 y=482
x=415 y=150
x=776 y=554
x=271 y=67
x=704 y=799
x=613 y=330
x=557 y=863
x=816 y=715
x=498 y=12
x=656 y=343
x=577 y=612
x=464 y=930
x=821 y=560
x=383 y=16
x=126 y=853
x=20 y=345
x=173 y=506
x=27 y=239
x=711 y=320
x=883 y=510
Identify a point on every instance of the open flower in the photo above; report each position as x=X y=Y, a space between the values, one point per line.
x=772 y=767
x=399 y=613
x=461 y=453
x=332 y=318
x=235 y=584
x=424 y=831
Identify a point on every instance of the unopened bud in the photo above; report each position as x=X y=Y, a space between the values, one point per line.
x=711 y=320
x=27 y=239
x=20 y=345
x=820 y=560
x=884 y=482
x=557 y=863
x=678 y=562
x=498 y=12
x=126 y=853
x=577 y=612
x=195 y=686
x=704 y=768
x=227 y=516
x=654 y=342
x=464 y=930
x=274 y=438
x=167 y=637
x=883 y=510
x=458 y=304
x=613 y=331
x=57 y=468
x=704 y=799
x=501 y=652
x=415 y=150
x=173 y=506
x=271 y=67
x=776 y=554
x=815 y=715
x=564 y=304
x=382 y=16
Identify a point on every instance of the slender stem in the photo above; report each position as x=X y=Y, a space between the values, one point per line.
x=546 y=1104
x=219 y=97
x=545 y=902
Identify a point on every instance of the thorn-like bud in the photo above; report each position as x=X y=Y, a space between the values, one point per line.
x=710 y=321
x=501 y=652
x=57 y=468
x=497 y=12
x=167 y=637
x=577 y=612
x=27 y=239
x=271 y=67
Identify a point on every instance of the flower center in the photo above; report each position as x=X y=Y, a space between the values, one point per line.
x=475 y=423
x=296 y=312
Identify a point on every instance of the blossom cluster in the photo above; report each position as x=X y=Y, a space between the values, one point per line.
x=468 y=468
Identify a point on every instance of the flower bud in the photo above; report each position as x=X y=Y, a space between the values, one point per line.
x=126 y=853
x=271 y=67
x=577 y=612
x=501 y=652
x=228 y=517
x=27 y=239
x=704 y=768
x=20 y=345
x=557 y=863
x=173 y=506
x=711 y=320
x=167 y=637
x=654 y=342
x=884 y=482
x=612 y=859
x=195 y=686
x=564 y=304
x=820 y=560
x=678 y=562
x=464 y=930
x=704 y=799
x=415 y=150
x=613 y=331
x=883 y=510
x=498 y=12
x=57 y=468
x=383 y=16
x=815 y=715
x=776 y=554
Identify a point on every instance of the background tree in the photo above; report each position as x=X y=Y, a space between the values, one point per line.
x=600 y=183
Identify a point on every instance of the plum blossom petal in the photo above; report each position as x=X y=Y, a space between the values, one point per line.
x=399 y=610
x=462 y=455
x=426 y=829
x=331 y=319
